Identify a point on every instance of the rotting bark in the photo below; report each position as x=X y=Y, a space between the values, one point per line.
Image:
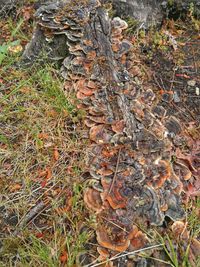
x=42 y=49
x=45 y=47
x=132 y=139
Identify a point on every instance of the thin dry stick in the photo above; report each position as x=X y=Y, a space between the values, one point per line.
x=37 y=210
x=114 y=224
x=195 y=65
x=156 y=81
x=123 y=255
x=36 y=202
x=116 y=169
x=36 y=215
x=173 y=78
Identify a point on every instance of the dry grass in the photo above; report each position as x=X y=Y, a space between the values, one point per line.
x=41 y=163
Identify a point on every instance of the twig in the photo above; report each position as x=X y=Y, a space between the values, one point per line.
x=195 y=65
x=36 y=201
x=156 y=81
x=163 y=84
x=116 y=169
x=46 y=206
x=123 y=255
x=172 y=83
x=33 y=213
x=115 y=224
x=182 y=111
x=159 y=260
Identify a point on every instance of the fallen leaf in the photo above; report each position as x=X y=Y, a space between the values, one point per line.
x=42 y=173
x=43 y=183
x=43 y=136
x=109 y=152
x=52 y=113
x=64 y=257
x=49 y=174
x=69 y=170
x=25 y=90
x=15 y=187
x=56 y=154
x=27 y=13
x=39 y=235
x=118 y=126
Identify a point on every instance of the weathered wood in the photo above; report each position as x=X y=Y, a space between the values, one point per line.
x=41 y=49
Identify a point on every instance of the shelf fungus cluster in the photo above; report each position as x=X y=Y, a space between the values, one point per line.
x=129 y=161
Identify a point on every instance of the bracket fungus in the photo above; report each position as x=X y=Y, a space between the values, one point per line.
x=131 y=135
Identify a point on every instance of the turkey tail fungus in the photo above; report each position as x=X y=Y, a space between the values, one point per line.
x=136 y=184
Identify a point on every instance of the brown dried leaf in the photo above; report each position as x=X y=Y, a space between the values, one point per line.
x=56 y=154
x=15 y=187
x=118 y=126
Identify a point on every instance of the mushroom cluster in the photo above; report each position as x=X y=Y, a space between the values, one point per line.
x=132 y=139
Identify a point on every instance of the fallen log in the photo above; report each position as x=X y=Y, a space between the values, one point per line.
x=132 y=137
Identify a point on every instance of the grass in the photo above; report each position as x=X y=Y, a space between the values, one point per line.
x=177 y=250
x=193 y=217
x=41 y=157
x=32 y=250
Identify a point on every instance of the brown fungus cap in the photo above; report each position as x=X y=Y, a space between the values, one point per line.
x=112 y=194
x=106 y=241
x=93 y=200
x=99 y=134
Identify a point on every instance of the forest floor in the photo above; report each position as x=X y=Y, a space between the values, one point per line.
x=43 y=220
